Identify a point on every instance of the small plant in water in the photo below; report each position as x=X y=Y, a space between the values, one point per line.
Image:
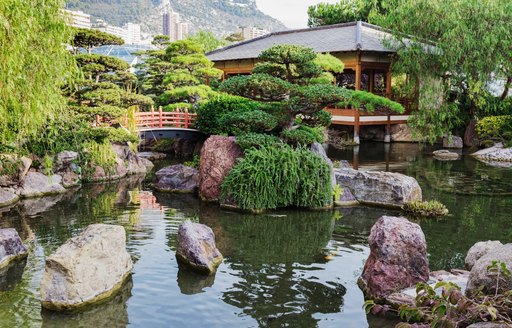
x=194 y=162
x=429 y=208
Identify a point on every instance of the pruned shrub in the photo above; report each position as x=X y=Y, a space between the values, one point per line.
x=495 y=128
x=274 y=177
x=257 y=140
x=303 y=135
x=239 y=122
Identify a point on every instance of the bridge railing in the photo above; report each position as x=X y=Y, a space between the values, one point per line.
x=160 y=119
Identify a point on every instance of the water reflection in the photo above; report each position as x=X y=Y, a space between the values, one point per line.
x=10 y=275
x=191 y=283
x=113 y=313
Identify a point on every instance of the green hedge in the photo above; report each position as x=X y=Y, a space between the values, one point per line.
x=276 y=177
x=303 y=135
x=239 y=122
x=257 y=140
x=496 y=128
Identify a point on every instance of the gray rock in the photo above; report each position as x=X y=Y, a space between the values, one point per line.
x=16 y=168
x=379 y=188
x=318 y=149
x=481 y=277
x=64 y=160
x=402 y=133
x=489 y=325
x=35 y=206
x=11 y=247
x=37 y=184
x=346 y=199
x=196 y=247
x=480 y=249
x=147 y=163
x=152 y=155
x=88 y=268
x=445 y=155
x=453 y=142
x=496 y=155
x=177 y=178
x=70 y=179
x=7 y=197
x=398 y=258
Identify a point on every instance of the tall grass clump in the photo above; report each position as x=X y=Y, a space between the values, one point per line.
x=275 y=177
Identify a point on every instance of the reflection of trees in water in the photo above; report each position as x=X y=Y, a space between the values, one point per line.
x=11 y=275
x=273 y=256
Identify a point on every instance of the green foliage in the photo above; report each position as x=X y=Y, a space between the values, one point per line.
x=98 y=154
x=194 y=162
x=435 y=123
x=98 y=66
x=259 y=87
x=303 y=135
x=370 y=102
x=178 y=74
x=90 y=38
x=210 y=113
x=495 y=106
x=161 y=41
x=430 y=208
x=239 y=122
x=495 y=128
x=34 y=65
x=164 y=146
x=176 y=106
x=257 y=140
x=303 y=179
x=342 y=12
x=208 y=40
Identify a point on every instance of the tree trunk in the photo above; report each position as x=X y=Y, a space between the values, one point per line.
x=507 y=88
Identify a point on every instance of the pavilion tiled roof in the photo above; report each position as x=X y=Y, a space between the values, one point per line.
x=344 y=37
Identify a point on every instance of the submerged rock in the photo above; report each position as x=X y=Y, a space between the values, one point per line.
x=177 y=178
x=398 y=258
x=480 y=249
x=37 y=184
x=483 y=278
x=445 y=155
x=379 y=188
x=218 y=156
x=11 y=247
x=86 y=269
x=196 y=247
x=7 y=197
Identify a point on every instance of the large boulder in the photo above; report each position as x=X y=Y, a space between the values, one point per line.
x=379 y=188
x=13 y=169
x=485 y=278
x=177 y=178
x=37 y=184
x=402 y=133
x=470 y=135
x=11 y=246
x=445 y=155
x=496 y=155
x=318 y=149
x=398 y=258
x=453 y=142
x=88 y=268
x=64 y=160
x=218 y=156
x=7 y=197
x=480 y=249
x=196 y=247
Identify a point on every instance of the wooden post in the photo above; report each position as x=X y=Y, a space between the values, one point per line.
x=356 y=126
x=387 y=136
x=160 y=117
x=98 y=120
x=388 y=83
x=371 y=77
x=358 y=71
x=186 y=118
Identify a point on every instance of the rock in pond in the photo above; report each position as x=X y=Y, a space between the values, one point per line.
x=398 y=258
x=478 y=250
x=379 y=188
x=88 y=268
x=496 y=155
x=177 y=178
x=218 y=156
x=445 y=155
x=13 y=169
x=7 y=197
x=37 y=184
x=453 y=142
x=64 y=160
x=484 y=279
x=196 y=247
x=319 y=150
x=489 y=325
x=152 y=156
x=11 y=247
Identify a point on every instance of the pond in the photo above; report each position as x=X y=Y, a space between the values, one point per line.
x=281 y=269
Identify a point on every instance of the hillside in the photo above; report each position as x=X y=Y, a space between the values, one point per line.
x=219 y=16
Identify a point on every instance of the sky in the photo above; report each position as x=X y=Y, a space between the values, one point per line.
x=293 y=13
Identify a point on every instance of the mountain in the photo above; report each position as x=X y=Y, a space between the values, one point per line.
x=219 y=16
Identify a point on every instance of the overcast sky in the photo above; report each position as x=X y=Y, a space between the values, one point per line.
x=293 y=13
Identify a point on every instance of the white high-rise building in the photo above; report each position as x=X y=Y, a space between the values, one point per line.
x=77 y=18
x=252 y=32
x=133 y=33
x=172 y=25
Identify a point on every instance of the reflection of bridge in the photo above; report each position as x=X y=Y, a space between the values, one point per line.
x=160 y=124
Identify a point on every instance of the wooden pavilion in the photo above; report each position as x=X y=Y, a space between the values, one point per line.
x=359 y=45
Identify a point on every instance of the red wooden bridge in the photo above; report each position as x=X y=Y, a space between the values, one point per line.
x=180 y=119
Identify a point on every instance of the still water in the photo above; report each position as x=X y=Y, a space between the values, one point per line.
x=281 y=269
